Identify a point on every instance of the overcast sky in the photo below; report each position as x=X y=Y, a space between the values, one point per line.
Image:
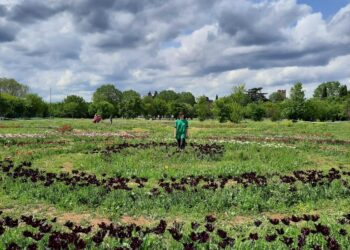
x=202 y=46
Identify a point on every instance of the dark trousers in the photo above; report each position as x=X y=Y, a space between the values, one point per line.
x=181 y=143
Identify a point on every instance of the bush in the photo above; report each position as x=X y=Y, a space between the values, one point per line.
x=237 y=113
x=273 y=111
x=203 y=108
x=255 y=111
x=11 y=106
x=293 y=110
x=222 y=110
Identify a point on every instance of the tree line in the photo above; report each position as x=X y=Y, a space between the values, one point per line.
x=330 y=102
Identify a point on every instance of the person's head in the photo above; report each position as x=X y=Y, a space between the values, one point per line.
x=181 y=115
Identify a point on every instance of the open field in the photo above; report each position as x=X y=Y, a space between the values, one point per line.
x=253 y=185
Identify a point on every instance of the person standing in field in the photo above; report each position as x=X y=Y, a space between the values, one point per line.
x=181 y=131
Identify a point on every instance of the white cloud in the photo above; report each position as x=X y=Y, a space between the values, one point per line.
x=188 y=45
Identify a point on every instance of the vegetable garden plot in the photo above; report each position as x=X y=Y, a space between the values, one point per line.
x=26 y=173
x=201 y=150
x=282 y=139
x=252 y=203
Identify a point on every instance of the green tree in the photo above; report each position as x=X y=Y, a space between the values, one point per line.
x=255 y=111
x=168 y=95
x=56 y=109
x=34 y=106
x=277 y=97
x=131 y=105
x=239 y=95
x=158 y=108
x=347 y=109
x=273 y=110
x=108 y=93
x=204 y=108
x=330 y=90
x=75 y=107
x=343 y=91
x=222 y=109
x=176 y=107
x=105 y=109
x=315 y=109
x=12 y=87
x=296 y=93
x=147 y=102
x=12 y=107
x=295 y=106
x=187 y=97
x=256 y=95
x=236 y=112
x=4 y=106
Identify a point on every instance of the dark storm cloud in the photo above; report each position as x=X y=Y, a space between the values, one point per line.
x=3 y=10
x=7 y=32
x=280 y=57
x=30 y=11
x=257 y=23
x=83 y=7
x=120 y=41
x=95 y=21
x=94 y=16
x=62 y=48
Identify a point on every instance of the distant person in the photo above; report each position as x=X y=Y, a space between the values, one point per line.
x=97 y=118
x=111 y=119
x=181 y=131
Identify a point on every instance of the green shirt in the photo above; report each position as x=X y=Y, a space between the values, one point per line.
x=181 y=128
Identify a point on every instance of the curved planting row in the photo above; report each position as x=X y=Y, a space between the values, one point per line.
x=200 y=149
x=283 y=139
x=47 y=233
x=25 y=173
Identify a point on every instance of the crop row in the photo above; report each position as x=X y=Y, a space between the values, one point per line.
x=200 y=149
x=48 y=233
x=283 y=139
x=26 y=173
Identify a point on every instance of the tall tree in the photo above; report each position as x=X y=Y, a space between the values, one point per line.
x=131 y=105
x=34 y=106
x=168 y=95
x=11 y=106
x=239 y=95
x=296 y=92
x=75 y=106
x=343 y=91
x=158 y=108
x=295 y=107
x=277 y=96
x=203 y=108
x=12 y=87
x=256 y=95
x=108 y=93
x=105 y=109
x=222 y=109
x=330 y=90
x=147 y=102
x=187 y=97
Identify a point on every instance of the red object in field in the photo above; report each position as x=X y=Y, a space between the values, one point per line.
x=97 y=119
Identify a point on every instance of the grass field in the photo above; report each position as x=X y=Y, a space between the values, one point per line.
x=253 y=185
